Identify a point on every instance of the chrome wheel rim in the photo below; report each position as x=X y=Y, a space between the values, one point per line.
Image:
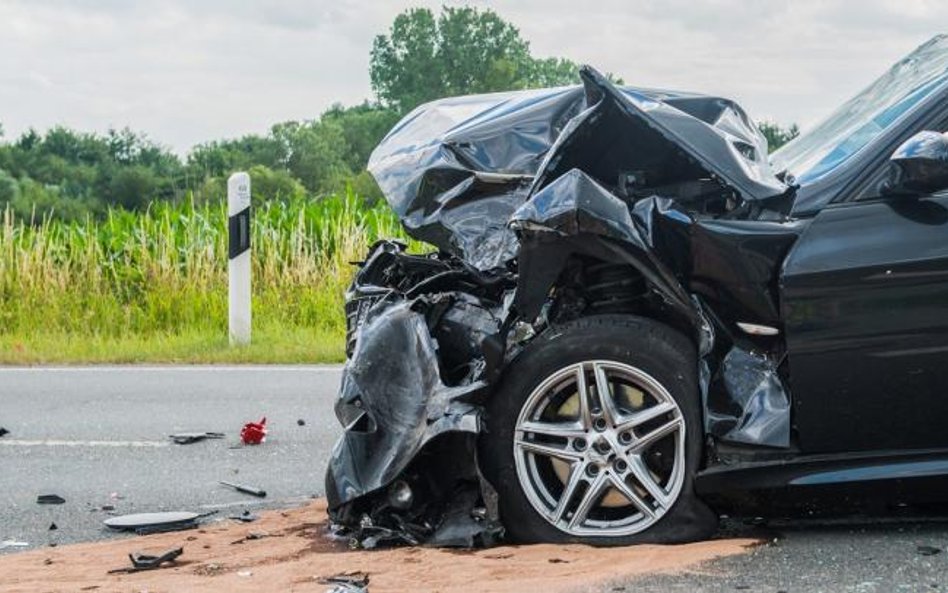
x=599 y=449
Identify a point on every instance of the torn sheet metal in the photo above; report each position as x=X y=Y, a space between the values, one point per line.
x=752 y=405
x=454 y=170
x=424 y=344
x=661 y=138
x=392 y=401
x=731 y=264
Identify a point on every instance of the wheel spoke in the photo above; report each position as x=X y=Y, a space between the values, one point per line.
x=553 y=429
x=650 y=438
x=644 y=477
x=549 y=450
x=645 y=416
x=589 y=499
x=569 y=491
x=608 y=405
x=619 y=484
x=582 y=392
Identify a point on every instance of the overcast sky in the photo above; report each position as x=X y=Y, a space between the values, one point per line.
x=187 y=71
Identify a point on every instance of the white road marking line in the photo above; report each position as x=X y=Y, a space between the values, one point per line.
x=63 y=443
x=160 y=369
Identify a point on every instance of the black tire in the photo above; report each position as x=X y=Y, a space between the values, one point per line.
x=656 y=349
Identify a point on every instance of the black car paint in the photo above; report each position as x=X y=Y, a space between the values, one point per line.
x=857 y=289
x=865 y=307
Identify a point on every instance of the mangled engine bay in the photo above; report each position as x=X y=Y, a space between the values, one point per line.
x=546 y=206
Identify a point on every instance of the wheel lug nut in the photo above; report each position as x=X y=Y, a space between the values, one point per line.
x=602 y=447
x=625 y=438
x=600 y=424
x=621 y=465
x=592 y=470
x=579 y=444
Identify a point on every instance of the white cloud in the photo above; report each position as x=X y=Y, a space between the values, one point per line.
x=186 y=71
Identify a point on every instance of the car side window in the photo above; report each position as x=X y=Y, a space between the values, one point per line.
x=869 y=188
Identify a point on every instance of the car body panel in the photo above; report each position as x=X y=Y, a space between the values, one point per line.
x=865 y=306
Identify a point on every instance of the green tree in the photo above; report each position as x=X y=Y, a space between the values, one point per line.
x=777 y=136
x=9 y=189
x=268 y=184
x=462 y=51
x=363 y=127
x=132 y=187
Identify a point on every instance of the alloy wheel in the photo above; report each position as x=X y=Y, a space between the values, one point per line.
x=599 y=449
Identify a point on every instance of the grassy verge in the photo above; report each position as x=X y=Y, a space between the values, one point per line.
x=270 y=346
x=152 y=286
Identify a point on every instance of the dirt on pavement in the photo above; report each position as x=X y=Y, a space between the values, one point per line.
x=296 y=551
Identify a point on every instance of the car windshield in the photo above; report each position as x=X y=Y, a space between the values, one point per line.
x=861 y=119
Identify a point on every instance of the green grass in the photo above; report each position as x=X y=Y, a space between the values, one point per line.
x=288 y=345
x=152 y=286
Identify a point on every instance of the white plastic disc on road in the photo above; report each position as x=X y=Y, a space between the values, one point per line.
x=139 y=520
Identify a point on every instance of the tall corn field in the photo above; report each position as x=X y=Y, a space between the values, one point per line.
x=164 y=271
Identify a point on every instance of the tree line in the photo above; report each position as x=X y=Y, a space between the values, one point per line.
x=423 y=56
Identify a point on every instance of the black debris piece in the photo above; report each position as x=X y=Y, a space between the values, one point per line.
x=53 y=527
x=301 y=422
x=142 y=562
x=186 y=438
x=347 y=582
x=50 y=499
x=928 y=550
x=251 y=490
x=245 y=517
x=3 y=431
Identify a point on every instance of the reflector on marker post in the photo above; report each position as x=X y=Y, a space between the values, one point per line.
x=238 y=265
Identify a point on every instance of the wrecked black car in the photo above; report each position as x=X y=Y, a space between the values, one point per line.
x=635 y=315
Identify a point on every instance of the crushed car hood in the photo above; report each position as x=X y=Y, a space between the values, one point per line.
x=455 y=170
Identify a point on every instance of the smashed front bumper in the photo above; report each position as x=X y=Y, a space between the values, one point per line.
x=421 y=356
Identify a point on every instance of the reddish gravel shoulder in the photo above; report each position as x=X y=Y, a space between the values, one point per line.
x=297 y=552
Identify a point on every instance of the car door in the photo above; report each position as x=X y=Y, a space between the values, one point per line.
x=865 y=305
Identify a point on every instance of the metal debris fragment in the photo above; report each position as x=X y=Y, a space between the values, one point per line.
x=251 y=490
x=186 y=438
x=347 y=582
x=50 y=499
x=141 y=562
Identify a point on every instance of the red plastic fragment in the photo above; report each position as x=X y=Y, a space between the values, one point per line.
x=254 y=433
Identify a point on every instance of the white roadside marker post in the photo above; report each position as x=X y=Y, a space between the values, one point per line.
x=238 y=265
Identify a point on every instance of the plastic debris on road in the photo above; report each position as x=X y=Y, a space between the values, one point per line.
x=254 y=433
x=50 y=499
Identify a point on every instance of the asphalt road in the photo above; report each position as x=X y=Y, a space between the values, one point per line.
x=99 y=436
x=880 y=556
